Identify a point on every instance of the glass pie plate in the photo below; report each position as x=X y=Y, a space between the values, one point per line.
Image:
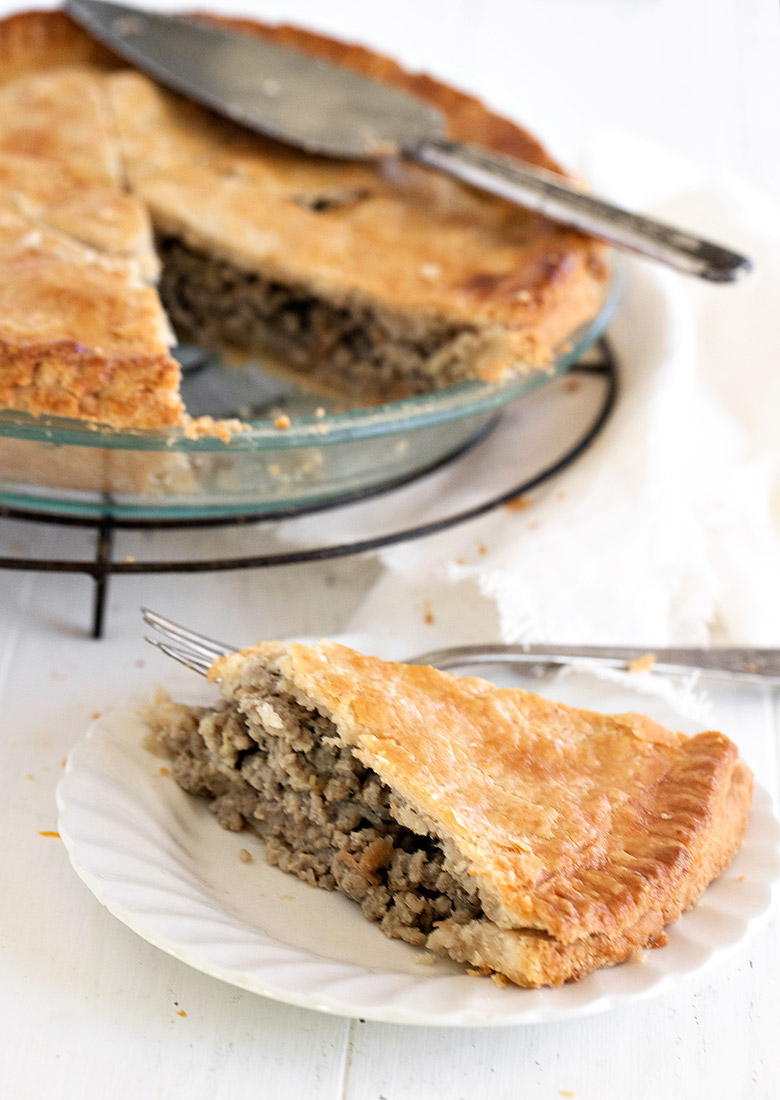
x=327 y=454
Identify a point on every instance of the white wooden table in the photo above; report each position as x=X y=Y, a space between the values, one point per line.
x=88 y=1009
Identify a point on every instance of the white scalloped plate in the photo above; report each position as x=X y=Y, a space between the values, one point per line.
x=158 y=861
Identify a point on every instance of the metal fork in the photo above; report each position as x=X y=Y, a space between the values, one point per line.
x=757 y=666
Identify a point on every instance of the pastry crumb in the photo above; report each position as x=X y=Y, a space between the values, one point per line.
x=164 y=770
x=518 y=504
x=48 y=832
x=426 y=958
x=567 y=1093
x=200 y=427
x=642 y=664
x=245 y=855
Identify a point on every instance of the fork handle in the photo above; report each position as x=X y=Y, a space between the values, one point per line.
x=551 y=194
x=749 y=665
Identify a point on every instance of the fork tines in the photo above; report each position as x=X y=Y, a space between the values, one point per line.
x=194 y=650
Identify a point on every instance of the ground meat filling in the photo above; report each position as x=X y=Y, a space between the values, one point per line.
x=323 y=815
x=213 y=303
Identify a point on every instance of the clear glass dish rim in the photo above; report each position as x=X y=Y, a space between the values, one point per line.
x=392 y=418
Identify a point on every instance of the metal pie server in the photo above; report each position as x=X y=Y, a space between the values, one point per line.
x=331 y=111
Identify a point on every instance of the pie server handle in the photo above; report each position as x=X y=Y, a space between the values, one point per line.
x=550 y=194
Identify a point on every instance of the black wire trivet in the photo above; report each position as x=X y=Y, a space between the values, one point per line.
x=101 y=566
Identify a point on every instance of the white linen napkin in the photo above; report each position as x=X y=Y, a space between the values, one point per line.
x=667 y=530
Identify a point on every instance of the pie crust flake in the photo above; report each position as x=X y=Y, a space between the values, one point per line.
x=529 y=839
x=378 y=280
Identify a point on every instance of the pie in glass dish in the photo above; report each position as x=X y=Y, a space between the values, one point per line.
x=128 y=214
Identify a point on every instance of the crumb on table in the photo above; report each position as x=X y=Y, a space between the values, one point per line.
x=642 y=664
x=518 y=504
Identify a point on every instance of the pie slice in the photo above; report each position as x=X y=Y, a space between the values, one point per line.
x=81 y=334
x=378 y=281
x=530 y=839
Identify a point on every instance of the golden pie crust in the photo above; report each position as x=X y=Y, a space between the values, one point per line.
x=582 y=834
x=80 y=334
x=91 y=150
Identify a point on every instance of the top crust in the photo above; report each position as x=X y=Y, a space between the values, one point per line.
x=60 y=163
x=61 y=119
x=572 y=822
x=397 y=234
x=39 y=41
x=80 y=333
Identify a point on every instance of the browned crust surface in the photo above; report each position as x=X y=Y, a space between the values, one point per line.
x=94 y=213
x=37 y=41
x=533 y=959
x=573 y=823
x=80 y=334
x=66 y=380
